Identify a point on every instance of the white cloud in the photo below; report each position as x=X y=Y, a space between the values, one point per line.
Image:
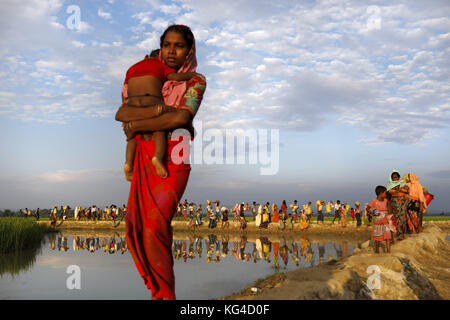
x=78 y=44
x=84 y=27
x=283 y=64
x=104 y=14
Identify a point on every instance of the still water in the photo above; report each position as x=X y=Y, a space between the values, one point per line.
x=205 y=266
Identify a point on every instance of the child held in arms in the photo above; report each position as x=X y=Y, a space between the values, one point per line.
x=142 y=88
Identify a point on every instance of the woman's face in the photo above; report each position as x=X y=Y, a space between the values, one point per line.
x=395 y=177
x=174 y=50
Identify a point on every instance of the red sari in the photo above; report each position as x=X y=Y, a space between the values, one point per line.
x=153 y=202
x=151 y=206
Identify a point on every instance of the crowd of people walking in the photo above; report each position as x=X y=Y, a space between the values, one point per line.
x=264 y=214
x=94 y=213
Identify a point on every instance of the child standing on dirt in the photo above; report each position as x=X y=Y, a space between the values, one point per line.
x=378 y=208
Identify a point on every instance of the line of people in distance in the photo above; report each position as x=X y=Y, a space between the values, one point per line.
x=264 y=214
x=111 y=212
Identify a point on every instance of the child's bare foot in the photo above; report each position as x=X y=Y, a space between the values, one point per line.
x=159 y=166
x=128 y=171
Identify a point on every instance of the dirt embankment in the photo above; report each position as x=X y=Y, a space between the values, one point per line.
x=417 y=268
x=273 y=228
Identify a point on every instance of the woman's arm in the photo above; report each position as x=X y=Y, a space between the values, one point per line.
x=129 y=113
x=181 y=118
x=168 y=121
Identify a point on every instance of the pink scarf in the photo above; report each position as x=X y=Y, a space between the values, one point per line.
x=416 y=189
x=173 y=91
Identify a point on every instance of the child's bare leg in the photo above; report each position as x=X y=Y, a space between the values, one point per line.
x=129 y=158
x=388 y=245
x=377 y=246
x=160 y=149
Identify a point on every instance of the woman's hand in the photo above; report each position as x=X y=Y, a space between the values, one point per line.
x=123 y=113
x=129 y=130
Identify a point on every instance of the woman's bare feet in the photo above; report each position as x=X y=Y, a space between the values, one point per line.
x=159 y=166
x=128 y=171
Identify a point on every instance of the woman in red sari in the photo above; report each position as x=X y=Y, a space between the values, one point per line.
x=153 y=200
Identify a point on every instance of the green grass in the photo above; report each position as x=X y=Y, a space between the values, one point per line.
x=21 y=233
x=436 y=218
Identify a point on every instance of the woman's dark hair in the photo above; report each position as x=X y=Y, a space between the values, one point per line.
x=379 y=190
x=185 y=31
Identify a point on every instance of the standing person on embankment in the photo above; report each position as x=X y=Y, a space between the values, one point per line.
x=151 y=194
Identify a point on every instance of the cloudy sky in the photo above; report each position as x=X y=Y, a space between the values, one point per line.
x=353 y=89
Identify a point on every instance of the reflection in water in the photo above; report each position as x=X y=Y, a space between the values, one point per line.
x=114 y=244
x=193 y=255
x=20 y=261
x=280 y=253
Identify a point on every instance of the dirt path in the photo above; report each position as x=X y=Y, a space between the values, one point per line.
x=417 y=268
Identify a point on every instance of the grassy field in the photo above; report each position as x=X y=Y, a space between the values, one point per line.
x=21 y=233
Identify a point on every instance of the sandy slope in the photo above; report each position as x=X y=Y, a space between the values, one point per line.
x=417 y=268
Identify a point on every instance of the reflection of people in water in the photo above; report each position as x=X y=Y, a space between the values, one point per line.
x=177 y=249
x=52 y=242
x=295 y=253
x=211 y=247
x=64 y=246
x=254 y=253
x=284 y=251
x=234 y=252
x=217 y=253
x=242 y=246
x=184 y=255
x=276 y=248
x=91 y=244
x=198 y=247
x=191 y=248
x=266 y=248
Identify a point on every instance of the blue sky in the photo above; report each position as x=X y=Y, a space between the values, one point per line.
x=355 y=88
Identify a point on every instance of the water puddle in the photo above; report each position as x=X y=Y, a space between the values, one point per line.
x=205 y=267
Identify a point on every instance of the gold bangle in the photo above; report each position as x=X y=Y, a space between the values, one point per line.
x=129 y=125
x=160 y=110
